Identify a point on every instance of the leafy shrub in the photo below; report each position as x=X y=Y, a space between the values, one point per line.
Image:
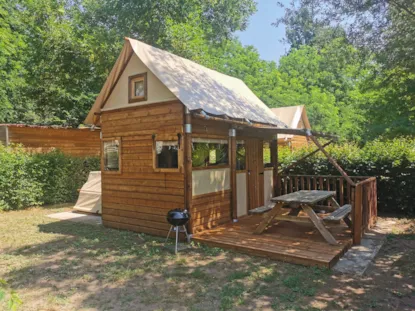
x=33 y=179
x=392 y=162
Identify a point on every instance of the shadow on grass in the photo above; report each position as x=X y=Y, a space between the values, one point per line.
x=89 y=266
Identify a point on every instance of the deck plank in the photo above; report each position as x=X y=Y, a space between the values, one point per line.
x=289 y=242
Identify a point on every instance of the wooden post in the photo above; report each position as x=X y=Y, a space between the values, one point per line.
x=188 y=164
x=234 y=202
x=274 y=163
x=357 y=215
x=332 y=161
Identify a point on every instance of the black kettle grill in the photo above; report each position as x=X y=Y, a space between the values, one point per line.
x=178 y=218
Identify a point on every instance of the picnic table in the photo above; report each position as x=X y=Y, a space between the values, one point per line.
x=305 y=200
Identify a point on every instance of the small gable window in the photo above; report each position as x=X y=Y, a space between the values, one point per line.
x=137 y=88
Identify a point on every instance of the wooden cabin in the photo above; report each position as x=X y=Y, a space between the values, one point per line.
x=178 y=135
x=36 y=138
x=296 y=118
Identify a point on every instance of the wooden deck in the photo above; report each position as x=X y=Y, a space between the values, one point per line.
x=286 y=241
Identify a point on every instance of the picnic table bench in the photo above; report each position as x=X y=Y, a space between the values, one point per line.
x=305 y=200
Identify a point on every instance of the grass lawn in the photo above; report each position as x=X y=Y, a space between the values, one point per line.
x=61 y=265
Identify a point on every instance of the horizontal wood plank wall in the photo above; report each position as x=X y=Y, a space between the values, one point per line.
x=74 y=142
x=210 y=209
x=139 y=198
x=294 y=142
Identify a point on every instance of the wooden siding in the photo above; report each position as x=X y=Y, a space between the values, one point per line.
x=74 y=142
x=139 y=198
x=210 y=210
x=294 y=142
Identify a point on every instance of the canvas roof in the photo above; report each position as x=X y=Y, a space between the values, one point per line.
x=196 y=86
x=292 y=115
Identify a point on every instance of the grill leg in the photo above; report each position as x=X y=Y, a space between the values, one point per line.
x=177 y=239
x=187 y=236
x=168 y=235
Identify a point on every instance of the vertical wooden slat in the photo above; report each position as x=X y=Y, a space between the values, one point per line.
x=188 y=164
x=315 y=182
x=232 y=138
x=357 y=215
x=302 y=183
x=308 y=183
x=341 y=191
x=321 y=185
x=274 y=162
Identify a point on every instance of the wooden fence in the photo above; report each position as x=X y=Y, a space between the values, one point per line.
x=362 y=196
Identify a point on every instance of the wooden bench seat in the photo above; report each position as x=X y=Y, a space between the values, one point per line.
x=261 y=209
x=339 y=214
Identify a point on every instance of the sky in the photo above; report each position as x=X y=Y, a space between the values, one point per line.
x=261 y=34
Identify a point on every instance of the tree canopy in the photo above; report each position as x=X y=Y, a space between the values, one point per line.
x=350 y=63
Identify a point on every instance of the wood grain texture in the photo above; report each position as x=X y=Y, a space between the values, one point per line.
x=298 y=243
x=75 y=142
x=139 y=198
x=211 y=209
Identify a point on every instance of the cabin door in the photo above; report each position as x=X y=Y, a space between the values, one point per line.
x=255 y=172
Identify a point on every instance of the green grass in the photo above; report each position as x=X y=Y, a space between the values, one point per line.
x=55 y=265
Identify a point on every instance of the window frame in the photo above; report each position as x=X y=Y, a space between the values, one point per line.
x=119 y=155
x=207 y=141
x=270 y=167
x=241 y=142
x=131 y=80
x=179 y=167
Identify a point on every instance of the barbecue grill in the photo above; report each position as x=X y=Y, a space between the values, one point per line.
x=178 y=219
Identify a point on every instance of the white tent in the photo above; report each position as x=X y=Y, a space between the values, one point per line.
x=89 y=199
x=196 y=86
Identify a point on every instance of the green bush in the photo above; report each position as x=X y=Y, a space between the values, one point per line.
x=392 y=162
x=33 y=179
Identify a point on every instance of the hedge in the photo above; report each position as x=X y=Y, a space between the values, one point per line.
x=392 y=162
x=35 y=179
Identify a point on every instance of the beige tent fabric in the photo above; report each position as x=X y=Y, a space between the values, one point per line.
x=198 y=87
x=292 y=116
x=112 y=79
x=89 y=199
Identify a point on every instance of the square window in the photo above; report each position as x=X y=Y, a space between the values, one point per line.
x=209 y=152
x=167 y=154
x=137 y=88
x=111 y=155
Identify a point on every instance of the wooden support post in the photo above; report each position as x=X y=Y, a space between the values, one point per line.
x=188 y=193
x=234 y=203
x=332 y=161
x=357 y=215
x=274 y=162
x=294 y=164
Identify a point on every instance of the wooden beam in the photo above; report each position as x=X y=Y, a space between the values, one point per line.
x=294 y=164
x=332 y=161
x=357 y=215
x=188 y=193
x=274 y=162
x=234 y=203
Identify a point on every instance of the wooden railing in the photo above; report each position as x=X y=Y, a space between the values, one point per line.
x=362 y=195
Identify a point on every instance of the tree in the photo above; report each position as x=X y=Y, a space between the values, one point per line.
x=384 y=33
